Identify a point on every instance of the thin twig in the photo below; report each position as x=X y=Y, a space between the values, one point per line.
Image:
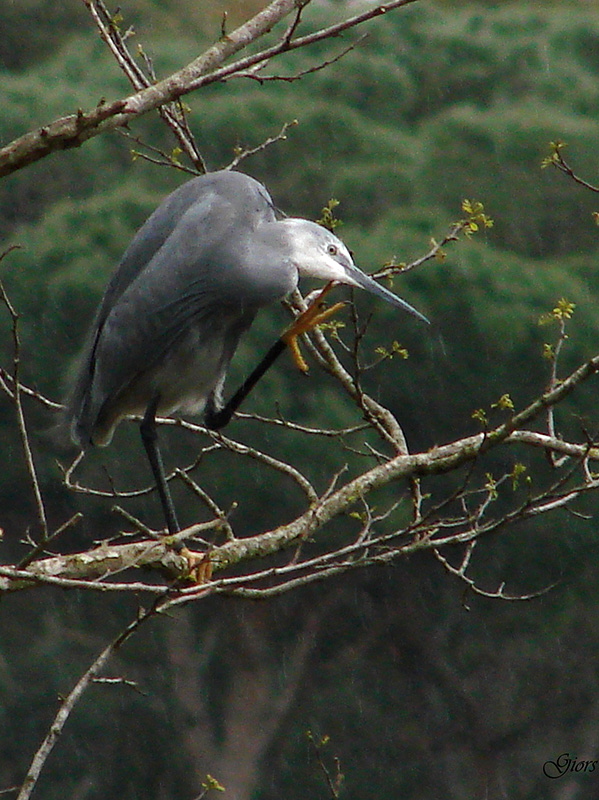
x=161 y=158
x=333 y=784
x=7 y=384
x=68 y=704
x=270 y=461
x=499 y=593
x=243 y=154
x=26 y=578
x=557 y=160
x=172 y=113
x=255 y=74
x=41 y=547
x=436 y=251
x=209 y=502
x=21 y=424
x=294 y=426
x=285 y=45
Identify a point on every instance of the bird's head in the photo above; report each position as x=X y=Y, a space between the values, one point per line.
x=318 y=253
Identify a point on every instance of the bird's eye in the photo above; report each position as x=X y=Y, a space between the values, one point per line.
x=332 y=249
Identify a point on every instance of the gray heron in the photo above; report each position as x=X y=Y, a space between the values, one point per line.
x=188 y=286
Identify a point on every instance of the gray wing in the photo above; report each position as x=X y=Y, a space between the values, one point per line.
x=220 y=198
x=171 y=274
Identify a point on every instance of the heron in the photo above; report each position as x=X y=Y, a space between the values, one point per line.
x=187 y=288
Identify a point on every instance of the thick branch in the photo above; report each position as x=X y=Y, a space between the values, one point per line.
x=90 y=569
x=61 y=134
x=74 y=130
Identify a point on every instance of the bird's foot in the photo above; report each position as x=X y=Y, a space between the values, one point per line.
x=314 y=315
x=199 y=566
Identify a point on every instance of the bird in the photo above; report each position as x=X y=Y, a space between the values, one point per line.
x=189 y=285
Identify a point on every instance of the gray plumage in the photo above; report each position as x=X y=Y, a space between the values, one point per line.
x=188 y=286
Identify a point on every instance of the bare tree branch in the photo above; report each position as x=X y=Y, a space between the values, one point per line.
x=75 y=129
x=255 y=72
x=71 y=700
x=243 y=153
x=82 y=570
x=498 y=594
x=172 y=114
x=557 y=160
x=22 y=426
x=108 y=559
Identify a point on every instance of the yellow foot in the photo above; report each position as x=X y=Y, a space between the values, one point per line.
x=314 y=315
x=199 y=566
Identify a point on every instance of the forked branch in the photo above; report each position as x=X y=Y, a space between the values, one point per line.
x=209 y=67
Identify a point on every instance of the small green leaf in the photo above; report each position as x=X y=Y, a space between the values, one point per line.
x=491 y=486
x=398 y=349
x=548 y=351
x=480 y=415
x=476 y=219
x=328 y=219
x=212 y=784
x=564 y=309
x=517 y=472
x=504 y=403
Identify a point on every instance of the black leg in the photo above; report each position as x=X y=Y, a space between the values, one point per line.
x=216 y=419
x=312 y=316
x=149 y=437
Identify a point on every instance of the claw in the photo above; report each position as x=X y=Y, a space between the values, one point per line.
x=199 y=566
x=314 y=315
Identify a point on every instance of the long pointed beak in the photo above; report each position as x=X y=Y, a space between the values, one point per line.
x=359 y=278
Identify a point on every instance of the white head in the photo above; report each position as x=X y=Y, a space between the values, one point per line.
x=318 y=253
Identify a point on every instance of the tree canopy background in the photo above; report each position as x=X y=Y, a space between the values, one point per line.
x=420 y=695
